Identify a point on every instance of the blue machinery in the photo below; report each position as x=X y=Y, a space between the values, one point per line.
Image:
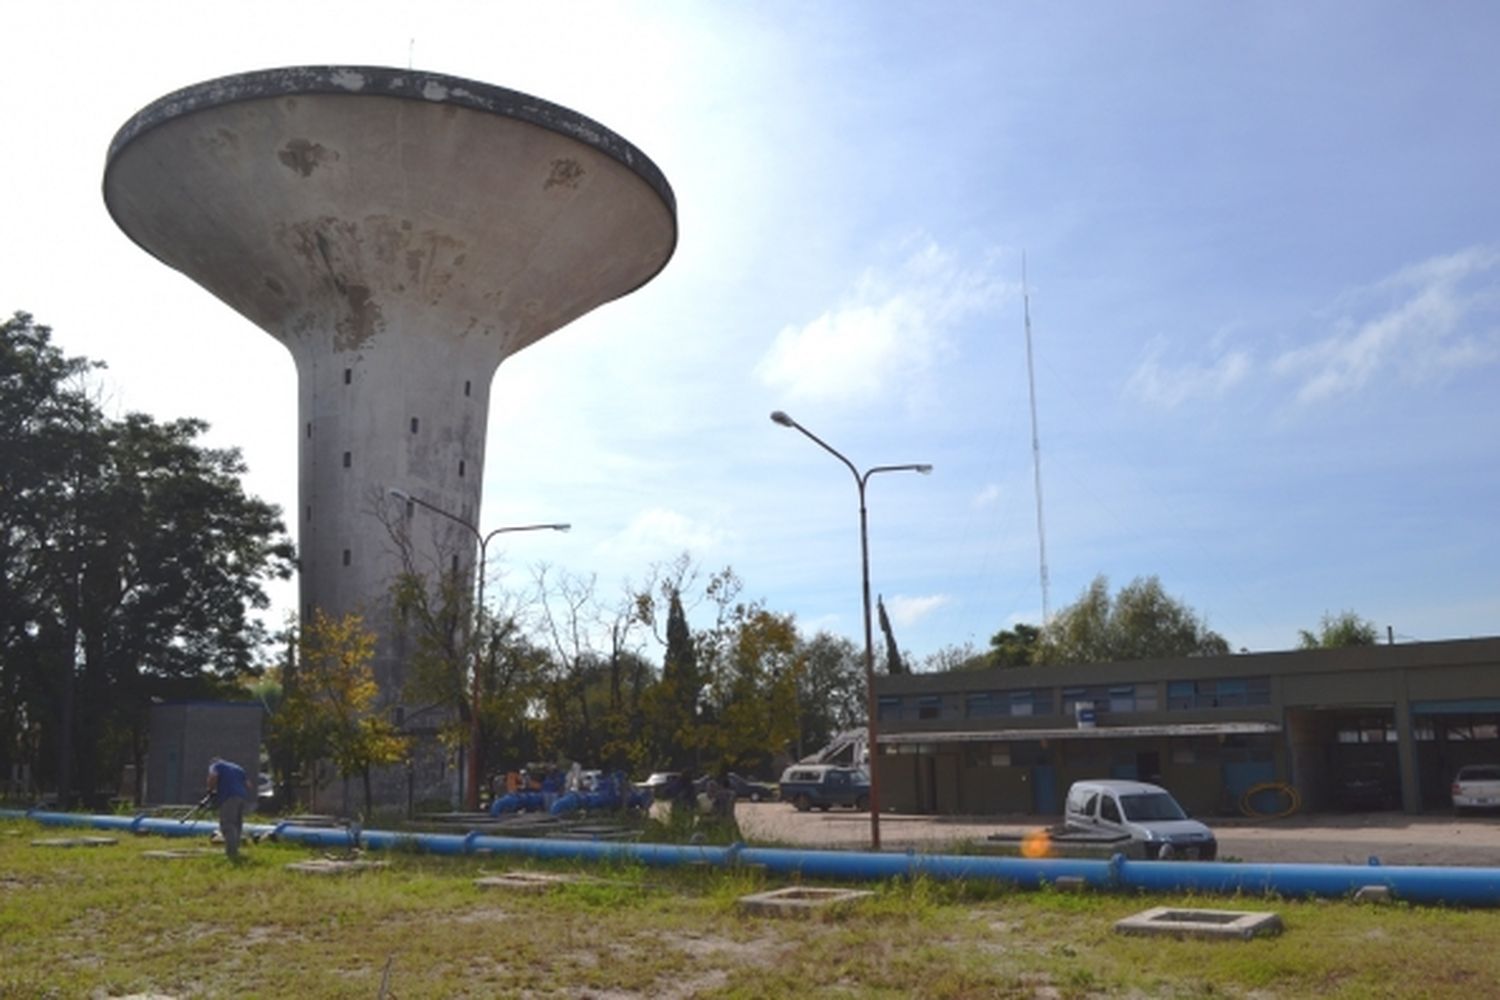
x=1453 y=886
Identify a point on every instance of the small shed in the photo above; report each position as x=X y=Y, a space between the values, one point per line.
x=186 y=735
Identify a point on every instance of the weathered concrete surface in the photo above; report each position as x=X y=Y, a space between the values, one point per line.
x=1180 y=922
x=401 y=233
x=800 y=901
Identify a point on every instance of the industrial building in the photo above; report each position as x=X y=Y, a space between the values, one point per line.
x=1396 y=719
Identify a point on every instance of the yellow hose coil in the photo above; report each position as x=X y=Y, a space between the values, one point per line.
x=1293 y=800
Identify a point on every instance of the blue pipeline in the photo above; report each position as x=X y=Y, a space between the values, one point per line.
x=1454 y=886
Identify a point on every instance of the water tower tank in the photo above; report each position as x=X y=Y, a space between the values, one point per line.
x=401 y=233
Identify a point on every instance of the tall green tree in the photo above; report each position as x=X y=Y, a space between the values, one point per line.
x=830 y=692
x=1338 y=631
x=46 y=419
x=1141 y=622
x=132 y=559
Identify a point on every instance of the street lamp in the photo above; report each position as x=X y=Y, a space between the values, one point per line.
x=471 y=784
x=872 y=751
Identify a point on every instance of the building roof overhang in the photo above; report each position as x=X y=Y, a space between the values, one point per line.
x=1077 y=733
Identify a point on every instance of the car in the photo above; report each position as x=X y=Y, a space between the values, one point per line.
x=822 y=786
x=1476 y=786
x=1144 y=815
x=746 y=788
x=662 y=785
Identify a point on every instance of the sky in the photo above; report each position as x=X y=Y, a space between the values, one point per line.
x=1262 y=259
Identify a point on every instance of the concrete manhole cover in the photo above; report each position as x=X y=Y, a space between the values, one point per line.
x=333 y=866
x=174 y=854
x=800 y=901
x=74 y=842
x=532 y=882
x=1169 y=921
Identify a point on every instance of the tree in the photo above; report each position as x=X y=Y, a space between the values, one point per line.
x=130 y=557
x=1141 y=622
x=45 y=417
x=831 y=691
x=331 y=710
x=1337 y=631
x=954 y=658
x=1014 y=647
x=751 y=662
x=893 y=662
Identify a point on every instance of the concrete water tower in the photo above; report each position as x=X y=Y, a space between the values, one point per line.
x=401 y=233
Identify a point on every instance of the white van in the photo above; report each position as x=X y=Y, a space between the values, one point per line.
x=1147 y=814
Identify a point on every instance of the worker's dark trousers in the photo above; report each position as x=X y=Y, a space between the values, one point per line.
x=231 y=823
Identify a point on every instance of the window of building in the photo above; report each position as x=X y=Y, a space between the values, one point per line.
x=1096 y=696
x=460 y=468
x=1145 y=697
x=414 y=424
x=889 y=708
x=983 y=705
x=1031 y=702
x=348 y=459
x=1368 y=730
x=309 y=429
x=346 y=557
x=348 y=375
x=1223 y=692
x=466 y=387
x=930 y=706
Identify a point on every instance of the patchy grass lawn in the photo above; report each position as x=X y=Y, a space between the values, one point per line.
x=109 y=922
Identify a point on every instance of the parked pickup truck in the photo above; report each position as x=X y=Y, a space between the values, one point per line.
x=1144 y=817
x=819 y=786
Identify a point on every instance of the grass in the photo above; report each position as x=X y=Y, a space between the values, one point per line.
x=108 y=922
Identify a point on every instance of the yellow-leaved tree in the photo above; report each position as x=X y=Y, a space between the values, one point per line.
x=330 y=710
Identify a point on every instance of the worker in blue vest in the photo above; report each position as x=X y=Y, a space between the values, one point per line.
x=231 y=791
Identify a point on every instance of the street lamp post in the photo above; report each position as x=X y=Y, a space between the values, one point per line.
x=872 y=733
x=471 y=783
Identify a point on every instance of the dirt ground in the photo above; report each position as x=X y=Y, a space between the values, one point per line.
x=1394 y=838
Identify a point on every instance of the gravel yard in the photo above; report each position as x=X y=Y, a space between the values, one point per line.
x=1394 y=838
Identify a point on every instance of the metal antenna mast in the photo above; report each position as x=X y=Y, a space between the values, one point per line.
x=1036 y=444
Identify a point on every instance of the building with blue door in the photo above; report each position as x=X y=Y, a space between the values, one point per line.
x=1373 y=727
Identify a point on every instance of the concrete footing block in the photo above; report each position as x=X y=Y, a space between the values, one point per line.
x=1069 y=883
x=333 y=866
x=800 y=901
x=530 y=883
x=1374 y=894
x=74 y=842
x=177 y=854
x=1230 y=925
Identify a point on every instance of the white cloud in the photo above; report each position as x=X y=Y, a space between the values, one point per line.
x=889 y=326
x=658 y=533
x=1168 y=387
x=1416 y=323
x=906 y=611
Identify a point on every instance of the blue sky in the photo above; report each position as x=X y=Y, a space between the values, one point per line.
x=1263 y=251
